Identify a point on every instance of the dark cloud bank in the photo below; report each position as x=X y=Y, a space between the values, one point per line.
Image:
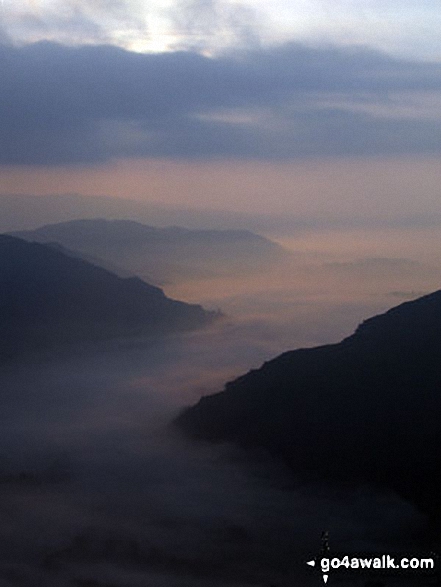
x=88 y=104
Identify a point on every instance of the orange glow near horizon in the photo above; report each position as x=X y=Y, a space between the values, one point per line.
x=319 y=188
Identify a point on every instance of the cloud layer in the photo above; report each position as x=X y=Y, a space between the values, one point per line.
x=61 y=105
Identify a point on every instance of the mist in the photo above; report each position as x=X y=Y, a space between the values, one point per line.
x=300 y=124
x=96 y=485
x=99 y=489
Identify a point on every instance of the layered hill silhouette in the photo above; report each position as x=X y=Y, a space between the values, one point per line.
x=364 y=411
x=161 y=254
x=48 y=299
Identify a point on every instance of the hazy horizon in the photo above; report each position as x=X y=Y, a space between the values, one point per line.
x=116 y=496
x=314 y=124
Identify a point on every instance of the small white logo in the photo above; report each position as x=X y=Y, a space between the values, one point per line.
x=324 y=550
x=312 y=563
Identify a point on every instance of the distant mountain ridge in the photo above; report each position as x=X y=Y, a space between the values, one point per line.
x=27 y=212
x=162 y=253
x=133 y=231
x=49 y=299
x=365 y=410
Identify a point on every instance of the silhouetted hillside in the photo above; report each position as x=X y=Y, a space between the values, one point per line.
x=119 y=271
x=162 y=253
x=48 y=298
x=365 y=410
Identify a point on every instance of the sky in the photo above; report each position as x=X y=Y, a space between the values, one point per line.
x=406 y=28
x=323 y=111
x=307 y=107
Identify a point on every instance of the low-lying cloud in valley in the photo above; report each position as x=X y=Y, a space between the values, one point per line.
x=314 y=124
x=97 y=487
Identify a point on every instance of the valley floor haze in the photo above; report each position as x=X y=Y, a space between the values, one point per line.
x=97 y=487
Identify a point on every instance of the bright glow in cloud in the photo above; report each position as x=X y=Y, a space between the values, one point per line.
x=405 y=28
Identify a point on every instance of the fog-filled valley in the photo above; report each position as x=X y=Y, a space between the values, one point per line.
x=99 y=488
x=220 y=293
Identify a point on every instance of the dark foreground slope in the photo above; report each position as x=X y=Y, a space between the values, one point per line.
x=365 y=410
x=48 y=299
x=162 y=253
